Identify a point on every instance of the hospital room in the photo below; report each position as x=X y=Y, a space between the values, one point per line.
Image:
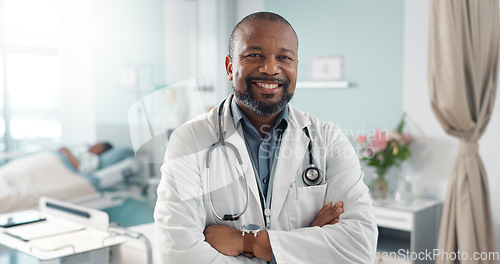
x=234 y=131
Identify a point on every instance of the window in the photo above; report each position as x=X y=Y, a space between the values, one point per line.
x=30 y=81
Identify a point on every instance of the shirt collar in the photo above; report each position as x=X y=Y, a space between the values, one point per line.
x=238 y=115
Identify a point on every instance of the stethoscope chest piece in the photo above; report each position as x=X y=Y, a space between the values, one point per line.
x=312 y=176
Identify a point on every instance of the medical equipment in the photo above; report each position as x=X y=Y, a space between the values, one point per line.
x=220 y=143
x=70 y=234
x=312 y=175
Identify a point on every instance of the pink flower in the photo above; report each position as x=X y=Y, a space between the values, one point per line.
x=379 y=142
x=394 y=135
x=361 y=138
x=406 y=137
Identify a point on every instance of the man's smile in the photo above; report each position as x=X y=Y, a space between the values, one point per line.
x=268 y=85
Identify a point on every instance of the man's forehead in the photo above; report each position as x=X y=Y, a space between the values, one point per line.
x=251 y=30
x=260 y=26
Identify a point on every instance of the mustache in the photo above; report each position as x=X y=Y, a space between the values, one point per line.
x=256 y=79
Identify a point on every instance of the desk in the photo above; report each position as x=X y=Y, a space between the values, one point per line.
x=413 y=226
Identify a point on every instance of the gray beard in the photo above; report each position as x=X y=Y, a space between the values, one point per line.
x=262 y=108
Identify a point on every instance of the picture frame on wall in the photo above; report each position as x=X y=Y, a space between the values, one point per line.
x=328 y=68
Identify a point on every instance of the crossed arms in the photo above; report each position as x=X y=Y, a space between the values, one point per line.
x=183 y=234
x=229 y=241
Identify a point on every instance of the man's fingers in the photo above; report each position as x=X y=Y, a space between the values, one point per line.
x=326 y=207
x=336 y=220
x=329 y=214
x=337 y=212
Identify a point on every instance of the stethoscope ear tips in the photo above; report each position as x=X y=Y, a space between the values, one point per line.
x=312 y=176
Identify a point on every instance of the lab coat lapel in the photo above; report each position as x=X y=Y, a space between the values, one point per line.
x=236 y=138
x=290 y=159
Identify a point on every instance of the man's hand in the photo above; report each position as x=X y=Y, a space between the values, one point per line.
x=328 y=215
x=226 y=240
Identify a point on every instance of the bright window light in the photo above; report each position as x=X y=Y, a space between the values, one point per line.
x=30 y=31
x=28 y=95
x=34 y=81
x=32 y=23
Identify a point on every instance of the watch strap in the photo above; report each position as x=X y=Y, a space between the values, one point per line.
x=248 y=243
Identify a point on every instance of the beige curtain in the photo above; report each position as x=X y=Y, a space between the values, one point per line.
x=463 y=68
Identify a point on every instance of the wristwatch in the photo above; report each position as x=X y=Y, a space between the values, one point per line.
x=249 y=233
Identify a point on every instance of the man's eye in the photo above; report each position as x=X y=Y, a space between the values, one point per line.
x=283 y=57
x=254 y=55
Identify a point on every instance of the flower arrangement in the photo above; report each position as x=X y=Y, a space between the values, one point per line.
x=384 y=150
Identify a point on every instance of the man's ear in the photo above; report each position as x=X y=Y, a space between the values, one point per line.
x=229 y=67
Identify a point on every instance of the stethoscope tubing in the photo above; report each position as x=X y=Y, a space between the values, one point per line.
x=223 y=144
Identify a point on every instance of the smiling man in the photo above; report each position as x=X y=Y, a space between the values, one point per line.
x=257 y=180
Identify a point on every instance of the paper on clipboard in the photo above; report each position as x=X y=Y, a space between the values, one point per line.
x=80 y=241
x=49 y=227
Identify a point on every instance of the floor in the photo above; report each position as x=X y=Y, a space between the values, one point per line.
x=131 y=213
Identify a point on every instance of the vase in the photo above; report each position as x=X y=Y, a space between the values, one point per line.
x=404 y=192
x=379 y=187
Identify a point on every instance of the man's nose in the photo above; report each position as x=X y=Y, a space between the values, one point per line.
x=270 y=67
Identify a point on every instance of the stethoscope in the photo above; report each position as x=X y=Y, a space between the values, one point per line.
x=311 y=176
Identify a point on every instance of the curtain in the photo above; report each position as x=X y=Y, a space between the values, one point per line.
x=463 y=68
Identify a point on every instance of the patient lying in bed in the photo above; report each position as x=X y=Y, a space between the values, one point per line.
x=82 y=159
x=23 y=181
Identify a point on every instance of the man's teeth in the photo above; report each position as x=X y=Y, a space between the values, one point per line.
x=268 y=85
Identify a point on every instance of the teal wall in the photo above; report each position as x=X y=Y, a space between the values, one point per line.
x=128 y=34
x=369 y=36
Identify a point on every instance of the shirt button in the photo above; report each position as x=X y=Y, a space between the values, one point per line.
x=265 y=180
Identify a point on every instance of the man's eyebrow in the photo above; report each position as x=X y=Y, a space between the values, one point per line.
x=288 y=50
x=260 y=48
x=254 y=48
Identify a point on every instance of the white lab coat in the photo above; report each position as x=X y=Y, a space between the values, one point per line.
x=182 y=209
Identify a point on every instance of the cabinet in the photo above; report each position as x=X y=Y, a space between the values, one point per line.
x=409 y=231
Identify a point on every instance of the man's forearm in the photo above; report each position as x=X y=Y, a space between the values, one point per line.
x=230 y=242
x=262 y=247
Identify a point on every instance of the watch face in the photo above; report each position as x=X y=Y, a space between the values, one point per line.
x=251 y=228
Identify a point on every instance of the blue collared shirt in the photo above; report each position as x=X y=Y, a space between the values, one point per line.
x=261 y=147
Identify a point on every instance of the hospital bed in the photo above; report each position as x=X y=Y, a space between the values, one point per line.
x=23 y=181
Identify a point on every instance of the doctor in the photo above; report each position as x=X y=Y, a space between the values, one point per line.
x=248 y=181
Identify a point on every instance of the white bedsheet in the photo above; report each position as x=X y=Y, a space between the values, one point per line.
x=24 y=181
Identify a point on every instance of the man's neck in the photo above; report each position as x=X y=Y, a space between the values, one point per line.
x=262 y=123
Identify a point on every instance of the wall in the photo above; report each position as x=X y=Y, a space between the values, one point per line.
x=129 y=61
x=369 y=35
x=196 y=34
x=78 y=90
x=244 y=8
x=435 y=151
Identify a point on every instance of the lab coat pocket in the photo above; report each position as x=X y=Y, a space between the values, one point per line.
x=304 y=203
